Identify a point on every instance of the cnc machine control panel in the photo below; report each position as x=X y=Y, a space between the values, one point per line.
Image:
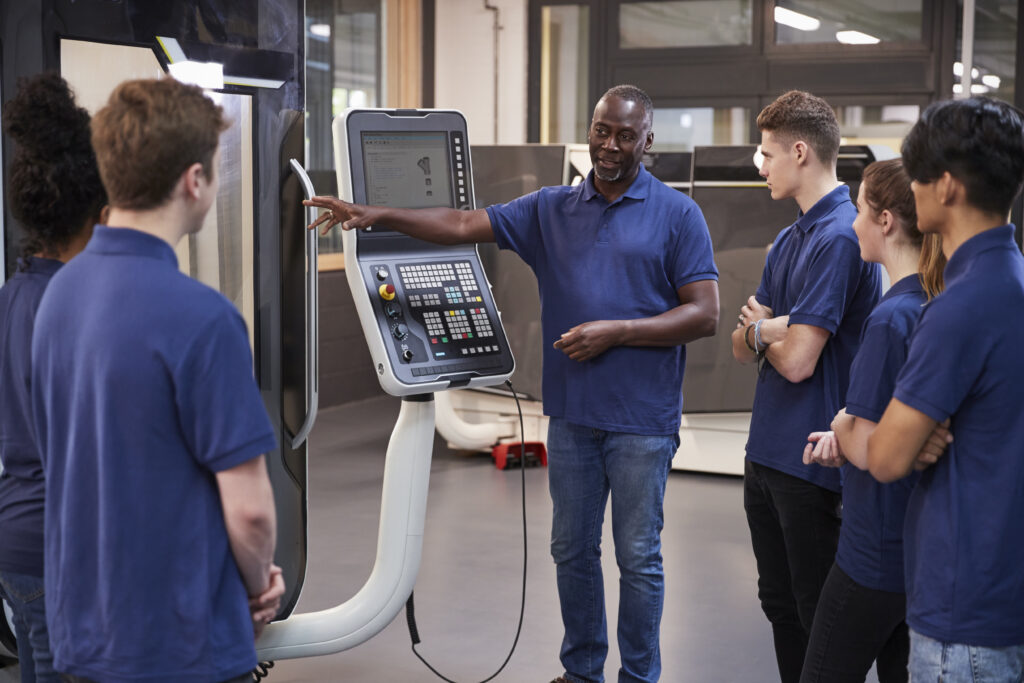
x=426 y=310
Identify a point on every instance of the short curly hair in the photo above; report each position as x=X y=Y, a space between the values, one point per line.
x=979 y=141
x=54 y=186
x=798 y=115
x=631 y=93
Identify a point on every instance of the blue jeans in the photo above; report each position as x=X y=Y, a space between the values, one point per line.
x=24 y=593
x=585 y=465
x=932 y=661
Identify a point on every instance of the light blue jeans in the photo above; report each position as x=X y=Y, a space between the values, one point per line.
x=24 y=593
x=932 y=661
x=585 y=465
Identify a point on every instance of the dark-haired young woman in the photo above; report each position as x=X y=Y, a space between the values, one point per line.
x=860 y=618
x=56 y=194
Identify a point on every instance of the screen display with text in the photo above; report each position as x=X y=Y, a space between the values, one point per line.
x=407 y=169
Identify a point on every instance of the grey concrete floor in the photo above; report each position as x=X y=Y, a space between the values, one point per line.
x=469 y=585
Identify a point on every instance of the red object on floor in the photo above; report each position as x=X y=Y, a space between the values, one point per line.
x=506 y=454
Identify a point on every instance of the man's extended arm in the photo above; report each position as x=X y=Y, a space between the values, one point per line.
x=438 y=225
x=696 y=316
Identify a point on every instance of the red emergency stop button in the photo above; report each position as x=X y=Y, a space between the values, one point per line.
x=387 y=292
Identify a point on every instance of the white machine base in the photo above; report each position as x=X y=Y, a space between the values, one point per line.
x=476 y=420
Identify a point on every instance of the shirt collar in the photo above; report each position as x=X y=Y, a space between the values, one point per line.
x=911 y=284
x=639 y=189
x=995 y=238
x=38 y=264
x=106 y=240
x=823 y=207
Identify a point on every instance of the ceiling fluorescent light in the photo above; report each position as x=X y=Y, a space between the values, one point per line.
x=991 y=80
x=958 y=70
x=979 y=89
x=801 y=22
x=320 y=30
x=856 y=38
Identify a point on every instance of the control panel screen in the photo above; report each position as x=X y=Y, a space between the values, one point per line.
x=407 y=169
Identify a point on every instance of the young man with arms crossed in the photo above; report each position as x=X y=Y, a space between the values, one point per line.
x=965 y=519
x=626 y=278
x=160 y=523
x=805 y=321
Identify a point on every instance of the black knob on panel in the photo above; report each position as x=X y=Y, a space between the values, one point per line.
x=382 y=273
x=400 y=331
x=392 y=310
x=407 y=355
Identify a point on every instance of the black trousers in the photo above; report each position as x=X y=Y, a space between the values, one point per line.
x=794 y=529
x=853 y=627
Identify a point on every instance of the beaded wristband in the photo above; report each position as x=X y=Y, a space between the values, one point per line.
x=746 y=338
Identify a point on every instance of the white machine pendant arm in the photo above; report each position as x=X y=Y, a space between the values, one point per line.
x=399 y=548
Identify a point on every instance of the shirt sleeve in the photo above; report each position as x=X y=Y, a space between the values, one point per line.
x=219 y=404
x=516 y=226
x=946 y=358
x=833 y=275
x=693 y=258
x=764 y=290
x=873 y=373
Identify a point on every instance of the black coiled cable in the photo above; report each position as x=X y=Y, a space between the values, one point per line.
x=262 y=671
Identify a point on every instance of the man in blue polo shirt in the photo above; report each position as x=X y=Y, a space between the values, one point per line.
x=159 y=521
x=626 y=277
x=804 y=322
x=964 y=532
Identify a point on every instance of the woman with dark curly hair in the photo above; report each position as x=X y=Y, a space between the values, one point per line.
x=56 y=194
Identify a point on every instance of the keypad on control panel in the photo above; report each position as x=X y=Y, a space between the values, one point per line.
x=448 y=297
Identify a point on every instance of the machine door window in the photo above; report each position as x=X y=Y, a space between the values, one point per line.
x=222 y=254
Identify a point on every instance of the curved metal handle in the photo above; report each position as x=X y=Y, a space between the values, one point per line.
x=312 y=313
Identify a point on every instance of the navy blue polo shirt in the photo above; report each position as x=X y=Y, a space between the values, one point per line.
x=813 y=274
x=871 y=538
x=964 y=532
x=622 y=260
x=142 y=388
x=22 y=488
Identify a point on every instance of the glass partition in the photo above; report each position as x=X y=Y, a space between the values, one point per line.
x=565 y=60
x=685 y=23
x=885 y=124
x=682 y=129
x=995 y=49
x=343 y=69
x=832 y=21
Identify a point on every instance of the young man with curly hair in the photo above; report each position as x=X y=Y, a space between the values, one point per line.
x=804 y=322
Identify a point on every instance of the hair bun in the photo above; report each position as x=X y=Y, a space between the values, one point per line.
x=43 y=118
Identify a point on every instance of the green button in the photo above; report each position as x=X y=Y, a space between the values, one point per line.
x=444 y=340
